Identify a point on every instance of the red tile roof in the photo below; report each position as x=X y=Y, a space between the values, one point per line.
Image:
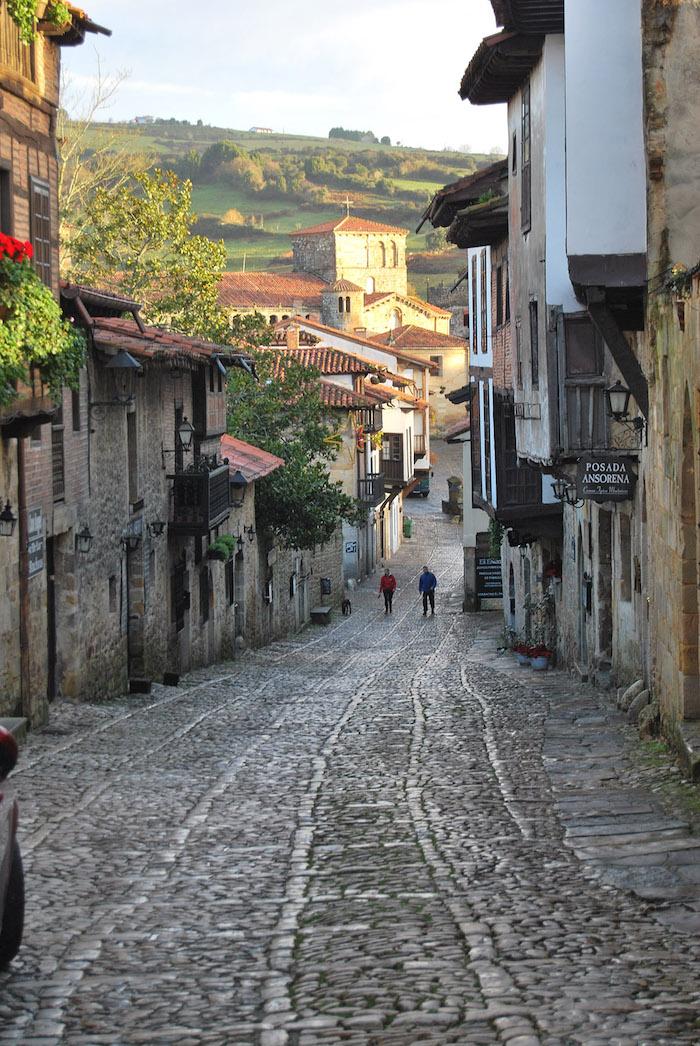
x=328 y=360
x=253 y=462
x=271 y=290
x=345 y=285
x=345 y=399
x=349 y=223
x=359 y=340
x=458 y=429
x=426 y=306
x=412 y=337
x=155 y=343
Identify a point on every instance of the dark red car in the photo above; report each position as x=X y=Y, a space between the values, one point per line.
x=11 y=874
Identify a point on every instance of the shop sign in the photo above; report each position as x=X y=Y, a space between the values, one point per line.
x=489 y=578
x=606 y=478
x=35 y=541
x=350 y=547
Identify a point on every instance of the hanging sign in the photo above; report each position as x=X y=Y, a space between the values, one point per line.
x=606 y=478
x=35 y=541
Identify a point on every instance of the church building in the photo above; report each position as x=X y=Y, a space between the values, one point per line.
x=349 y=274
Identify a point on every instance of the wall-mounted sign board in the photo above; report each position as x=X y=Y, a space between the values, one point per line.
x=605 y=478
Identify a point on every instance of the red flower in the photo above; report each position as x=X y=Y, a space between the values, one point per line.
x=14 y=249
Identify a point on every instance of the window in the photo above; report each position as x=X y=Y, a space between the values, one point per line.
x=36 y=435
x=534 y=345
x=438 y=360
x=57 y=458
x=341 y=304
x=484 y=304
x=75 y=409
x=584 y=349
x=525 y=174
x=382 y=251
x=273 y=320
x=132 y=458
x=41 y=229
x=229 y=578
x=625 y=559
x=514 y=153
x=499 y=295
x=394 y=255
x=347 y=304
x=518 y=354
x=505 y=266
x=395 y=319
x=5 y=201
x=369 y=285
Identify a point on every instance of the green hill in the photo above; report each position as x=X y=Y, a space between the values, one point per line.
x=252 y=190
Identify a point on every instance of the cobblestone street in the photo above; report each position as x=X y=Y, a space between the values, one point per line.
x=353 y=836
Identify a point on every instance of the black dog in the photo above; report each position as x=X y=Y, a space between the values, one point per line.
x=346 y=607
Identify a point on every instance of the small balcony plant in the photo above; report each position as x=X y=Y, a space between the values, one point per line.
x=223 y=548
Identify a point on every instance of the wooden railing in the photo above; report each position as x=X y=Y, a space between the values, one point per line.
x=371 y=488
x=200 y=500
x=14 y=55
x=418 y=447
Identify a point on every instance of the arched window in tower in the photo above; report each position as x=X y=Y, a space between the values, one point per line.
x=347 y=304
x=340 y=304
x=394 y=254
x=395 y=319
x=369 y=285
x=367 y=257
x=382 y=255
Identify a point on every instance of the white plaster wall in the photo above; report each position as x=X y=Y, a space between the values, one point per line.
x=475 y=520
x=558 y=286
x=606 y=170
x=483 y=261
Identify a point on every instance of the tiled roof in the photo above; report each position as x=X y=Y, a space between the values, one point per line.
x=359 y=340
x=426 y=306
x=350 y=224
x=279 y=336
x=253 y=462
x=458 y=429
x=328 y=360
x=412 y=337
x=345 y=399
x=154 y=343
x=387 y=392
x=345 y=285
x=271 y=290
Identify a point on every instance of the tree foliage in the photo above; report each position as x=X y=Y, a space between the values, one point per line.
x=282 y=412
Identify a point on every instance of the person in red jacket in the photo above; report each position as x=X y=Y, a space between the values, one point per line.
x=387 y=586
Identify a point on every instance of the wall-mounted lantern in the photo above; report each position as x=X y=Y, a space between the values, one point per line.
x=130 y=542
x=156 y=527
x=617 y=402
x=8 y=521
x=566 y=493
x=83 y=539
x=250 y=531
x=185 y=434
x=239 y=545
x=238 y=487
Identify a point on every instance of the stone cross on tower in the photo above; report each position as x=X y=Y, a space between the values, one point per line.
x=348 y=204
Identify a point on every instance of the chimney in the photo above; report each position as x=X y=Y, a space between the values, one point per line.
x=293 y=336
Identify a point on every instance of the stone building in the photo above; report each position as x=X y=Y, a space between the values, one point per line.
x=350 y=274
x=35 y=432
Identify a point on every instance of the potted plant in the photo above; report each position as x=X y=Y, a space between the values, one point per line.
x=540 y=656
x=522 y=654
x=223 y=548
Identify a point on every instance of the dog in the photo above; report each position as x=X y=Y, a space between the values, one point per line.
x=346 y=607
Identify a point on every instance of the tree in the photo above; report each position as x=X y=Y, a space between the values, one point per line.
x=385 y=140
x=138 y=240
x=282 y=412
x=88 y=158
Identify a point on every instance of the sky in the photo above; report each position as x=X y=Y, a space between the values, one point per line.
x=389 y=66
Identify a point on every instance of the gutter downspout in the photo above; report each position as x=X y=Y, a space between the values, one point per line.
x=25 y=662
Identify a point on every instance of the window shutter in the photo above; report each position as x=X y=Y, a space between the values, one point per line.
x=41 y=229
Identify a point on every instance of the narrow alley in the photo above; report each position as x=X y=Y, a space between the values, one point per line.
x=353 y=836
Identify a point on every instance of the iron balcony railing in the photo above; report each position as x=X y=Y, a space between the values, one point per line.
x=200 y=499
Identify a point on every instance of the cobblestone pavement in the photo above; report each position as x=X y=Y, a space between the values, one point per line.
x=354 y=836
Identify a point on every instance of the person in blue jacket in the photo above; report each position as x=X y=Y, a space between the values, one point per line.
x=426 y=587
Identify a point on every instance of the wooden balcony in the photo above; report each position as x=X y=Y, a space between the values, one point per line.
x=583 y=422
x=393 y=471
x=371 y=488
x=370 y=418
x=418 y=447
x=200 y=499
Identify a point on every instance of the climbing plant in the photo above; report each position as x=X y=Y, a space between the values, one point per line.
x=496 y=532
x=24 y=14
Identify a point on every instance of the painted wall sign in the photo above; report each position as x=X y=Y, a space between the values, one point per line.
x=489 y=578
x=350 y=547
x=35 y=541
x=605 y=478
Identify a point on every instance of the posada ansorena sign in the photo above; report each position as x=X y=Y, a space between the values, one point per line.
x=606 y=478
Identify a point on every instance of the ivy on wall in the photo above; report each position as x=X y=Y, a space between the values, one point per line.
x=24 y=14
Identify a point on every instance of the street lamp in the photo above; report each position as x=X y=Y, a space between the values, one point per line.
x=83 y=540
x=617 y=398
x=185 y=433
x=559 y=487
x=8 y=521
x=238 y=484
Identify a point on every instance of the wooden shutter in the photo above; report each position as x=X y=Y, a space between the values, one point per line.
x=41 y=229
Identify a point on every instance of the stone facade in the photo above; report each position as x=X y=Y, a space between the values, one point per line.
x=375 y=261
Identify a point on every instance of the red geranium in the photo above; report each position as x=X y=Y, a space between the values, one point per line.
x=14 y=249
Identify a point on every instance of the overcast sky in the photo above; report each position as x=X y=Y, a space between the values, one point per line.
x=390 y=66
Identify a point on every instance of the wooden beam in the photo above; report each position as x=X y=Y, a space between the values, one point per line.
x=605 y=323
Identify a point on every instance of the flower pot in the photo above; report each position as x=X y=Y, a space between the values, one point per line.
x=539 y=664
x=522 y=659
x=215 y=554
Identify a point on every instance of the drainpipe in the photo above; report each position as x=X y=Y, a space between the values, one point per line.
x=25 y=665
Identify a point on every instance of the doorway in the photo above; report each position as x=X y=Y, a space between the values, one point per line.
x=582 y=605
x=51 y=629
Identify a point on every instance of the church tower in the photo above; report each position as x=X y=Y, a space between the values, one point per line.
x=368 y=254
x=343 y=306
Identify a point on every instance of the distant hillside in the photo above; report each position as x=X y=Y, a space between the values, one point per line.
x=252 y=190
